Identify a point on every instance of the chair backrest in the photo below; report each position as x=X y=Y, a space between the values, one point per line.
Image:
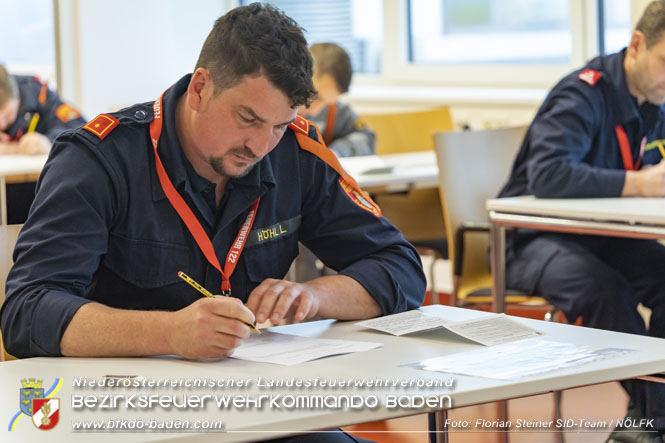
x=408 y=131
x=473 y=166
x=8 y=236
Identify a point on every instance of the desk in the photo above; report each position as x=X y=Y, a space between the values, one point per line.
x=383 y=363
x=397 y=172
x=13 y=165
x=618 y=217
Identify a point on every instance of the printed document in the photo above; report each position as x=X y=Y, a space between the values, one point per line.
x=286 y=349
x=489 y=330
x=514 y=360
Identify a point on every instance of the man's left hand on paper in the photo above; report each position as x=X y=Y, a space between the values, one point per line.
x=34 y=144
x=276 y=300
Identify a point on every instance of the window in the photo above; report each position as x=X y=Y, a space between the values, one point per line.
x=489 y=31
x=27 y=38
x=355 y=25
x=615 y=25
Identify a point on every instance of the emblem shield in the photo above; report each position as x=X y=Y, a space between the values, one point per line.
x=27 y=394
x=47 y=413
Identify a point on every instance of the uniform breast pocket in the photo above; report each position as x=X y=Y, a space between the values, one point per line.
x=270 y=259
x=146 y=263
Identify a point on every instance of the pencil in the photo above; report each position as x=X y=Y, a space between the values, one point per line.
x=661 y=149
x=207 y=293
x=33 y=122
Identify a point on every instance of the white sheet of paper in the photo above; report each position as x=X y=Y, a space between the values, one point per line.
x=489 y=330
x=404 y=322
x=514 y=360
x=286 y=349
x=493 y=330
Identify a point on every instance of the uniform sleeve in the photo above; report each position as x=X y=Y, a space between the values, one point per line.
x=360 y=245
x=350 y=136
x=57 y=117
x=559 y=138
x=58 y=250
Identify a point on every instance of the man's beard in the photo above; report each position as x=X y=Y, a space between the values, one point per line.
x=217 y=163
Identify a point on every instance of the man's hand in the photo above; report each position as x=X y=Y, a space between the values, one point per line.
x=647 y=182
x=275 y=300
x=210 y=328
x=33 y=144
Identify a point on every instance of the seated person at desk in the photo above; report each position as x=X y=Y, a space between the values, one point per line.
x=235 y=177
x=597 y=135
x=342 y=132
x=31 y=117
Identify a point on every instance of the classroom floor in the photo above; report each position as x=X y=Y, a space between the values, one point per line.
x=596 y=403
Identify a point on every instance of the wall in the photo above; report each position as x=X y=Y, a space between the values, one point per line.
x=128 y=51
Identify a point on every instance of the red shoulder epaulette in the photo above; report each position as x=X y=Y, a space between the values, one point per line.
x=300 y=124
x=102 y=125
x=348 y=183
x=590 y=76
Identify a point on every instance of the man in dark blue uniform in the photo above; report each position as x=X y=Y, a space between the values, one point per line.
x=597 y=135
x=218 y=178
x=31 y=117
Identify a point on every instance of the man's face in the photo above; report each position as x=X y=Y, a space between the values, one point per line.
x=8 y=113
x=235 y=129
x=648 y=77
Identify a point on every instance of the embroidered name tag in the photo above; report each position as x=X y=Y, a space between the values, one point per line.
x=262 y=235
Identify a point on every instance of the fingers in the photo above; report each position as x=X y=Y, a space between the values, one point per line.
x=210 y=328
x=34 y=143
x=274 y=299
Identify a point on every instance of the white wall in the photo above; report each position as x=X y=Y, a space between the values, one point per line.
x=129 y=51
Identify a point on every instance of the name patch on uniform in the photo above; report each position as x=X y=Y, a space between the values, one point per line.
x=590 y=76
x=102 y=125
x=357 y=198
x=262 y=235
x=300 y=124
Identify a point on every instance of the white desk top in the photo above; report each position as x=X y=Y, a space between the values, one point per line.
x=21 y=164
x=418 y=169
x=626 y=210
x=383 y=363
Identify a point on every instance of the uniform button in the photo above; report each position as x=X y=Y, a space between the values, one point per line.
x=140 y=114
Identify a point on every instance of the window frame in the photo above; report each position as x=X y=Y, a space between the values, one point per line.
x=397 y=70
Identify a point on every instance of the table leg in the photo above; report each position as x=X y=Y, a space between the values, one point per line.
x=440 y=418
x=498 y=266
x=3 y=201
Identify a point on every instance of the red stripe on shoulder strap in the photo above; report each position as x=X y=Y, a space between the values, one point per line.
x=325 y=154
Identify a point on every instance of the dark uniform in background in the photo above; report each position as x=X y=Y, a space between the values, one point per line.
x=343 y=132
x=572 y=150
x=55 y=116
x=108 y=233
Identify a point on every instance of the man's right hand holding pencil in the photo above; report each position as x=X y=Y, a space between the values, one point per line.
x=210 y=328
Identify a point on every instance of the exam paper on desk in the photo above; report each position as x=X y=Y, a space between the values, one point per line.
x=489 y=330
x=286 y=349
x=515 y=360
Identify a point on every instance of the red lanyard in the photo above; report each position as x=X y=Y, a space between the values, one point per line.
x=626 y=154
x=190 y=219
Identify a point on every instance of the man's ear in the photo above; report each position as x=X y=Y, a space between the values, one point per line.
x=200 y=89
x=637 y=40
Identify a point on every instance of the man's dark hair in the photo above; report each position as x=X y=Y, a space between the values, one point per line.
x=652 y=22
x=259 y=39
x=332 y=59
x=8 y=86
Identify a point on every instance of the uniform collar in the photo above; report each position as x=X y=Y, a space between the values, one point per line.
x=259 y=179
x=624 y=104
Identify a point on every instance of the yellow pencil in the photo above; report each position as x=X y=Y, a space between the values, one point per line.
x=33 y=122
x=207 y=293
x=661 y=149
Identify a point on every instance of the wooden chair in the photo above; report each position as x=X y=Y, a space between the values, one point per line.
x=417 y=213
x=8 y=236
